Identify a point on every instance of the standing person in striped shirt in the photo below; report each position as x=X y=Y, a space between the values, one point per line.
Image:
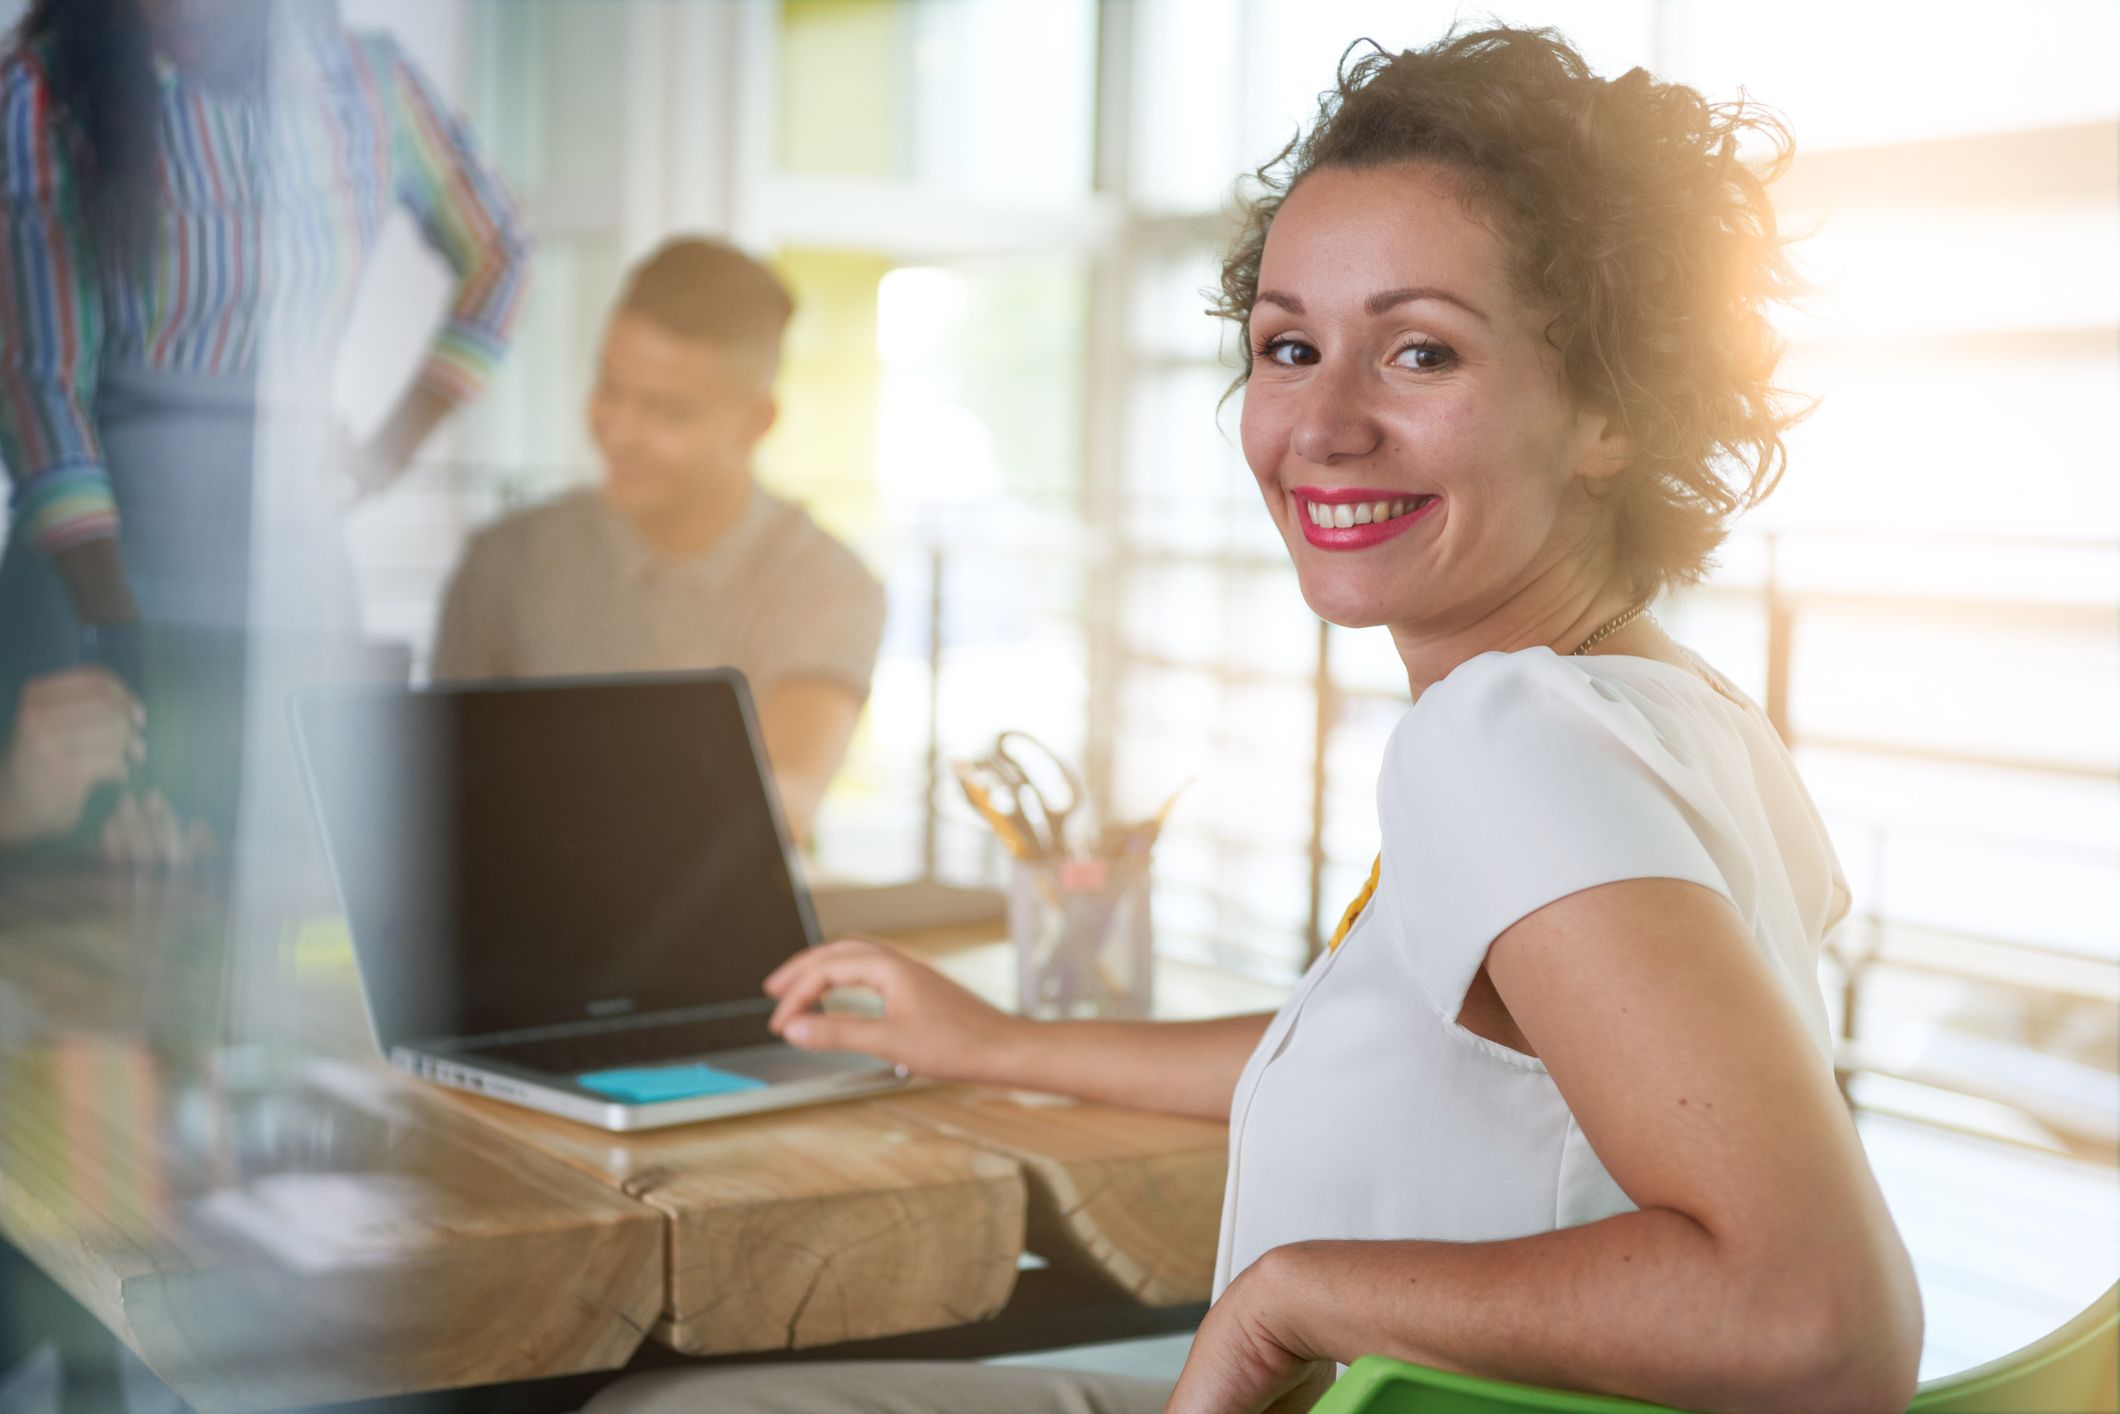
x=189 y=193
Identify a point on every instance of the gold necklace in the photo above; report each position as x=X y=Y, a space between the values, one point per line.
x=1611 y=627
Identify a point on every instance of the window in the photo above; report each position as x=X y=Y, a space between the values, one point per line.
x=999 y=221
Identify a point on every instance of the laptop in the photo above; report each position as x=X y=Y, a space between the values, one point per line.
x=568 y=894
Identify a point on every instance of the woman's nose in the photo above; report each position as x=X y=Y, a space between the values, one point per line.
x=1333 y=421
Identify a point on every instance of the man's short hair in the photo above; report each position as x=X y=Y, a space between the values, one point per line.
x=710 y=292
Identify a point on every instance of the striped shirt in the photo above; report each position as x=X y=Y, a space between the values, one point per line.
x=271 y=203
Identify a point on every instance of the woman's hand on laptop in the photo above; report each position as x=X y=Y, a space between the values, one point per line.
x=930 y=1025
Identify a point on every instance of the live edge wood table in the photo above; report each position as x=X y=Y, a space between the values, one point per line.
x=282 y=1222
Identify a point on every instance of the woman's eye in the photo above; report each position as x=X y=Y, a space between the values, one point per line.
x=1289 y=353
x=1425 y=356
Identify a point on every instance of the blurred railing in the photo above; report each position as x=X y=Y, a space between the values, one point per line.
x=1872 y=953
x=2069 y=1099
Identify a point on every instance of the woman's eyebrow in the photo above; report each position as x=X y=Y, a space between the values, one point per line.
x=1380 y=302
x=1391 y=299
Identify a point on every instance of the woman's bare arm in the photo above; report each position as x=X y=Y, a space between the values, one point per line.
x=1762 y=1270
x=95 y=580
x=1178 y=1067
x=937 y=1029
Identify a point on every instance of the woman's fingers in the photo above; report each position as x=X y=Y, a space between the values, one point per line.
x=80 y=726
x=99 y=748
x=930 y=1025
x=842 y=1033
x=165 y=837
x=90 y=688
x=805 y=988
x=809 y=958
x=144 y=831
x=127 y=835
x=84 y=701
x=798 y=982
x=805 y=992
x=851 y=959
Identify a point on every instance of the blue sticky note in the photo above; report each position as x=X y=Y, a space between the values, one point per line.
x=641 y=1085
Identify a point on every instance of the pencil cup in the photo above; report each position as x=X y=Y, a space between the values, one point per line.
x=1081 y=932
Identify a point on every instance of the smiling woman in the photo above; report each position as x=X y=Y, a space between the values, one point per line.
x=1611 y=217
x=1508 y=376
x=1372 y=355
x=1558 y=1105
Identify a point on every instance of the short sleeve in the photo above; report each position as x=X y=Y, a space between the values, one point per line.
x=827 y=622
x=1516 y=781
x=467 y=213
x=51 y=325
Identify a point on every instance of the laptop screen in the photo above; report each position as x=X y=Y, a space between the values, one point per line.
x=530 y=855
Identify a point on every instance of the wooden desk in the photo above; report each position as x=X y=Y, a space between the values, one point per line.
x=306 y=1225
x=804 y=1227
x=1133 y=1197
x=284 y=1232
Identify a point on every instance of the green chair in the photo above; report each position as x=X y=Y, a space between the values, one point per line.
x=2076 y=1370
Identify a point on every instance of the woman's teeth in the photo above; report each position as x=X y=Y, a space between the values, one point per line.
x=1342 y=516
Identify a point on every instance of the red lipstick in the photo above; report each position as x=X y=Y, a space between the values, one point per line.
x=1370 y=516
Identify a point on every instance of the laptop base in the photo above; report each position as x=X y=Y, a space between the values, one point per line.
x=792 y=1078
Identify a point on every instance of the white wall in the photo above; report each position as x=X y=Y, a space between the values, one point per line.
x=403 y=541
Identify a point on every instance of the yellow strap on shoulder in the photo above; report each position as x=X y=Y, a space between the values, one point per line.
x=1354 y=910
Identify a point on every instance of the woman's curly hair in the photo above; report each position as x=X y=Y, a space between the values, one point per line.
x=1632 y=221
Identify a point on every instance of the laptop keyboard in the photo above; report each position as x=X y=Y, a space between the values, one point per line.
x=635 y=1045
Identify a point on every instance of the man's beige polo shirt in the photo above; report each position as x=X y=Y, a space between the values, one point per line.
x=567 y=588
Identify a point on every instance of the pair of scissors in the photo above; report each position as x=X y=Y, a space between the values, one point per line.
x=1053 y=790
x=998 y=804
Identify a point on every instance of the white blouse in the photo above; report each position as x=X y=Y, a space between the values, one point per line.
x=1521 y=778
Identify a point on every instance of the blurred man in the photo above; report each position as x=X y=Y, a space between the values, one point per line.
x=678 y=559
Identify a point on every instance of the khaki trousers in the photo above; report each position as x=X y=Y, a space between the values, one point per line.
x=880 y=1387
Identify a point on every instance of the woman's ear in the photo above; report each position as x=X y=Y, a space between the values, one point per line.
x=1608 y=448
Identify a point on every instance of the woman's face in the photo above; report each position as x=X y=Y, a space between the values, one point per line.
x=1404 y=393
